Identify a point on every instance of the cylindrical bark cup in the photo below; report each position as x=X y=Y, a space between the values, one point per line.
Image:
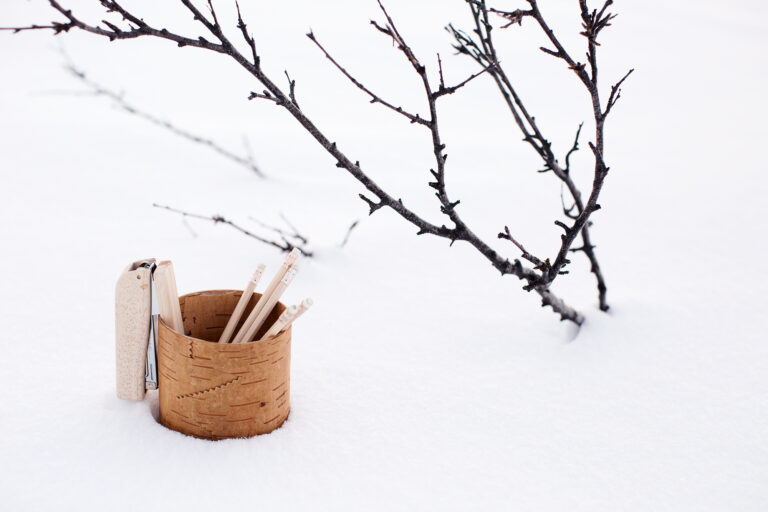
x=217 y=390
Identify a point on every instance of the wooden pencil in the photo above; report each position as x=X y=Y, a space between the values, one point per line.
x=289 y=261
x=241 y=305
x=168 y=296
x=284 y=318
x=267 y=309
x=282 y=323
x=303 y=307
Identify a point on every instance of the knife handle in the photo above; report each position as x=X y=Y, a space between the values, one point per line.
x=132 y=318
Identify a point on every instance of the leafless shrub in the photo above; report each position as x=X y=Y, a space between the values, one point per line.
x=480 y=47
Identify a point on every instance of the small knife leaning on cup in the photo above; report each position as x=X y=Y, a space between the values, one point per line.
x=136 y=317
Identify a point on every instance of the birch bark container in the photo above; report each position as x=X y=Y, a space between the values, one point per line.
x=220 y=390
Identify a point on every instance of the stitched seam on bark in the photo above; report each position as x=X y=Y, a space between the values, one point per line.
x=208 y=390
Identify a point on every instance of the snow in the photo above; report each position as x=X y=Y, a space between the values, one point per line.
x=420 y=378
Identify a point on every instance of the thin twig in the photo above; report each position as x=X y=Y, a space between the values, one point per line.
x=414 y=118
x=119 y=99
x=285 y=245
x=283 y=233
x=292 y=90
x=507 y=235
x=349 y=232
x=615 y=93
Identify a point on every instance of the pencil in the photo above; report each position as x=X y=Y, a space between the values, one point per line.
x=303 y=307
x=241 y=305
x=284 y=318
x=267 y=309
x=168 y=296
x=281 y=325
x=290 y=260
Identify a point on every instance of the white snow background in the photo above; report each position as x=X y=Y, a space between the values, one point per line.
x=421 y=379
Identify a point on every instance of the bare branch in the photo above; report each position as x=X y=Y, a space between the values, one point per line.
x=266 y=95
x=574 y=148
x=56 y=27
x=138 y=28
x=349 y=232
x=292 y=91
x=414 y=118
x=483 y=52
x=294 y=234
x=372 y=205
x=97 y=89
x=440 y=68
x=295 y=231
x=560 y=52
x=248 y=38
x=442 y=90
x=285 y=245
x=567 y=210
x=507 y=235
x=615 y=93
x=550 y=52
x=513 y=17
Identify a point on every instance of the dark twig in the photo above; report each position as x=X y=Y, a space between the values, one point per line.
x=292 y=90
x=120 y=101
x=264 y=95
x=443 y=90
x=414 y=118
x=285 y=245
x=56 y=27
x=507 y=235
x=248 y=38
x=294 y=233
x=567 y=210
x=440 y=70
x=349 y=232
x=574 y=148
x=615 y=93
x=513 y=17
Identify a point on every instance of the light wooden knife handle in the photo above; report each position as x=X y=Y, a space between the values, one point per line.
x=132 y=311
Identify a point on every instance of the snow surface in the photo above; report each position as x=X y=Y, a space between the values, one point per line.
x=421 y=380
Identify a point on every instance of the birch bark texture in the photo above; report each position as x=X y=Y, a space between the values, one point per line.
x=215 y=391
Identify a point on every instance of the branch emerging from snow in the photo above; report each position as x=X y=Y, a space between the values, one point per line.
x=286 y=242
x=479 y=45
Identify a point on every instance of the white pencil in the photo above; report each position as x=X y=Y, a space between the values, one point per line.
x=303 y=307
x=267 y=309
x=242 y=304
x=285 y=317
x=279 y=326
x=290 y=260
